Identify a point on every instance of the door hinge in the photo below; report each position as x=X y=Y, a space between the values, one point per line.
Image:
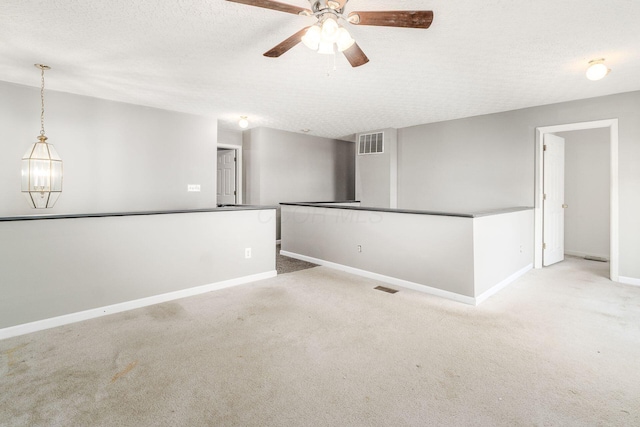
x=234 y=192
x=544 y=197
x=235 y=159
x=544 y=246
x=544 y=147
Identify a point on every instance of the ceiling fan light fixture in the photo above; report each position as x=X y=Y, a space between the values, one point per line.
x=311 y=39
x=345 y=41
x=330 y=30
x=353 y=18
x=597 y=69
x=332 y=37
x=326 y=48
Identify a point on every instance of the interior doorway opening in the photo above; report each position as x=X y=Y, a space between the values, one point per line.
x=229 y=175
x=587 y=221
x=539 y=217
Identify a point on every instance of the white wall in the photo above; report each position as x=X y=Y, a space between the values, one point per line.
x=502 y=246
x=587 y=169
x=377 y=174
x=282 y=166
x=117 y=157
x=487 y=162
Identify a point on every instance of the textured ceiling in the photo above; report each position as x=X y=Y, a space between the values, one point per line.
x=205 y=57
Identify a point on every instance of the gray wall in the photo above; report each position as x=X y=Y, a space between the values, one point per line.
x=111 y=260
x=463 y=256
x=473 y=164
x=377 y=174
x=488 y=162
x=282 y=166
x=229 y=136
x=587 y=169
x=396 y=245
x=117 y=157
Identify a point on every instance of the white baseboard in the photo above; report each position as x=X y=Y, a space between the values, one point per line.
x=629 y=281
x=387 y=279
x=503 y=284
x=53 y=322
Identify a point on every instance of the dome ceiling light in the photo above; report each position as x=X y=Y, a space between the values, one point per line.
x=597 y=69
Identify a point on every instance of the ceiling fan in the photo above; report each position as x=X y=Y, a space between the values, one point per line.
x=327 y=34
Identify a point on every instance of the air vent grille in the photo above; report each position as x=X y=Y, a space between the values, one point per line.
x=385 y=289
x=371 y=143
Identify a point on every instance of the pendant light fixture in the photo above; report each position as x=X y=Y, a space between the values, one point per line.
x=41 y=165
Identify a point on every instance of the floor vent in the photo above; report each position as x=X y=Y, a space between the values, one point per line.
x=387 y=290
x=595 y=258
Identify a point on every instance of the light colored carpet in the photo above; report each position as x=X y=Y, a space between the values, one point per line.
x=285 y=264
x=560 y=347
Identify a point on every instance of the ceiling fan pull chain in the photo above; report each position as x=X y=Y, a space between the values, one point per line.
x=329 y=69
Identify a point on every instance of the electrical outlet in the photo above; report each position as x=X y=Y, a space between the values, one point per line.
x=359 y=248
x=193 y=187
x=247 y=253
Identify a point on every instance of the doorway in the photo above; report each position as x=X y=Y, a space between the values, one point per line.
x=229 y=175
x=542 y=133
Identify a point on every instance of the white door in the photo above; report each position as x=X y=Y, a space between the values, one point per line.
x=226 y=177
x=553 y=200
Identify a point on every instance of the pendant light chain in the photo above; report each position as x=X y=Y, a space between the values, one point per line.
x=42 y=102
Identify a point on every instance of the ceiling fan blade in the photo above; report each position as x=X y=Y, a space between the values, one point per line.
x=393 y=18
x=275 y=5
x=355 y=56
x=286 y=45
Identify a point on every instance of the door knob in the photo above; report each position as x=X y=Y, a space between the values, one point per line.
x=565 y=206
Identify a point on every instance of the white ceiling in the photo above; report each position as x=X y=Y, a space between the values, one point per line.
x=205 y=57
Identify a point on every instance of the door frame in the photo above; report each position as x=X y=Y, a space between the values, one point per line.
x=612 y=124
x=238 y=150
